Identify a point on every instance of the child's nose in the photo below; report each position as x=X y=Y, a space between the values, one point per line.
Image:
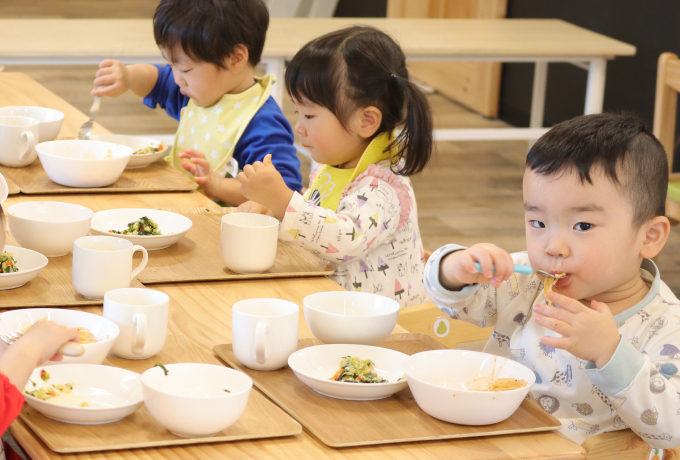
x=300 y=129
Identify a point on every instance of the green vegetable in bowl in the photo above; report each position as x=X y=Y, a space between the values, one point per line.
x=143 y=226
x=355 y=370
x=7 y=263
x=151 y=149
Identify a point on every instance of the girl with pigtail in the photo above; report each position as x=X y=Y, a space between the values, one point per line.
x=351 y=90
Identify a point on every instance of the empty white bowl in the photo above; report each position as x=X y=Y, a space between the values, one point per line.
x=135 y=143
x=85 y=164
x=195 y=400
x=49 y=120
x=314 y=366
x=104 y=330
x=172 y=226
x=439 y=380
x=49 y=227
x=29 y=262
x=111 y=393
x=350 y=317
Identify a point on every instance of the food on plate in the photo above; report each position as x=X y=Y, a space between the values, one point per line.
x=495 y=384
x=548 y=284
x=165 y=370
x=143 y=226
x=7 y=263
x=355 y=370
x=44 y=375
x=151 y=149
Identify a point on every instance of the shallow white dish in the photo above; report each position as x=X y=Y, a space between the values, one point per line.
x=31 y=221
x=49 y=120
x=350 y=317
x=104 y=330
x=173 y=226
x=314 y=366
x=439 y=380
x=85 y=164
x=111 y=392
x=29 y=262
x=191 y=401
x=135 y=143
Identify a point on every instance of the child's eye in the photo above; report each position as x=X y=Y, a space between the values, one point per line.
x=583 y=226
x=309 y=117
x=536 y=224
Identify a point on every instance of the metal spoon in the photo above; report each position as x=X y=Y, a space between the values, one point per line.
x=524 y=269
x=86 y=129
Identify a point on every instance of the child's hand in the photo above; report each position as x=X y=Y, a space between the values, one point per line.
x=203 y=173
x=255 y=208
x=458 y=268
x=262 y=183
x=589 y=333
x=113 y=76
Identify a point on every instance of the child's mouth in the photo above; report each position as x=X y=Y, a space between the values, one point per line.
x=563 y=281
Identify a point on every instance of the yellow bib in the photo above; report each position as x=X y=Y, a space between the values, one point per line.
x=215 y=130
x=326 y=191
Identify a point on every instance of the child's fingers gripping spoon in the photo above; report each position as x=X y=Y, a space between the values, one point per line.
x=524 y=269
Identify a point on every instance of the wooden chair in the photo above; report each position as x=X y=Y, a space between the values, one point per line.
x=665 y=113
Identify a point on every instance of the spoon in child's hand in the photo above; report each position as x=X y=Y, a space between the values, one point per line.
x=524 y=269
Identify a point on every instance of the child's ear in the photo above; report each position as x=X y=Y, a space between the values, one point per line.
x=656 y=235
x=369 y=120
x=238 y=59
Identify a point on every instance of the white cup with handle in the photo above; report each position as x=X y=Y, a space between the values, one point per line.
x=18 y=136
x=142 y=316
x=248 y=242
x=103 y=263
x=264 y=332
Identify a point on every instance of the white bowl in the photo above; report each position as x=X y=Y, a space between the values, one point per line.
x=350 y=317
x=111 y=393
x=173 y=226
x=438 y=380
x=29 y=262
x=49 y=120
x=49 y=227
x=86 y=164
x=314 y=366
x=104 y=330
x=191 y=401
x=135 y=143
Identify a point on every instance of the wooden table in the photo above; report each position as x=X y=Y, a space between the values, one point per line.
x=539 y=41
x=200 y=317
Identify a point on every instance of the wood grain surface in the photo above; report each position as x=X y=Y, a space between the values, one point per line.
x=261 y=419
x=391 y=420
x=196 y=257
x=13 y=188
x=157 y=177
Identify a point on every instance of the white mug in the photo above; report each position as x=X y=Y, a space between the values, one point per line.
x=264 y=332
x=248 y=242
x=142 y=316
x=18 y=136
x=102 y=263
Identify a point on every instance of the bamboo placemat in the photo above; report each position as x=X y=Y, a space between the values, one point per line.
x=51 y=288
x=157 y=177
x=261 y=419
x=12 y=186
x=391 y=420
x=196 y=257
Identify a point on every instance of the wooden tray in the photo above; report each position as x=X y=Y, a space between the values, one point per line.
x=157 y=177
x=51 y=288
x=261 y=419
x=196 y=257
x=12 y=186
x=391 y=420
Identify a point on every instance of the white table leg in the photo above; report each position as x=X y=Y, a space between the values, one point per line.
x=597 y=73
x=277 y=66
x=538 y=94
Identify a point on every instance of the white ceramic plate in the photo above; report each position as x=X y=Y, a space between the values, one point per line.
x=314 y=366
x=111 y=393
x=135 y=143
x=173 y=226
x=29 y=262
x=104 y=330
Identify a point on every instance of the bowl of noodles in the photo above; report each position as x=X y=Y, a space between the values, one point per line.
x=467 y=387
x=97 y=333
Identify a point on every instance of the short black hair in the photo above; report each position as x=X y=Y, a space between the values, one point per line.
x=361 y=66
x=209 y=30
x=614 y=142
